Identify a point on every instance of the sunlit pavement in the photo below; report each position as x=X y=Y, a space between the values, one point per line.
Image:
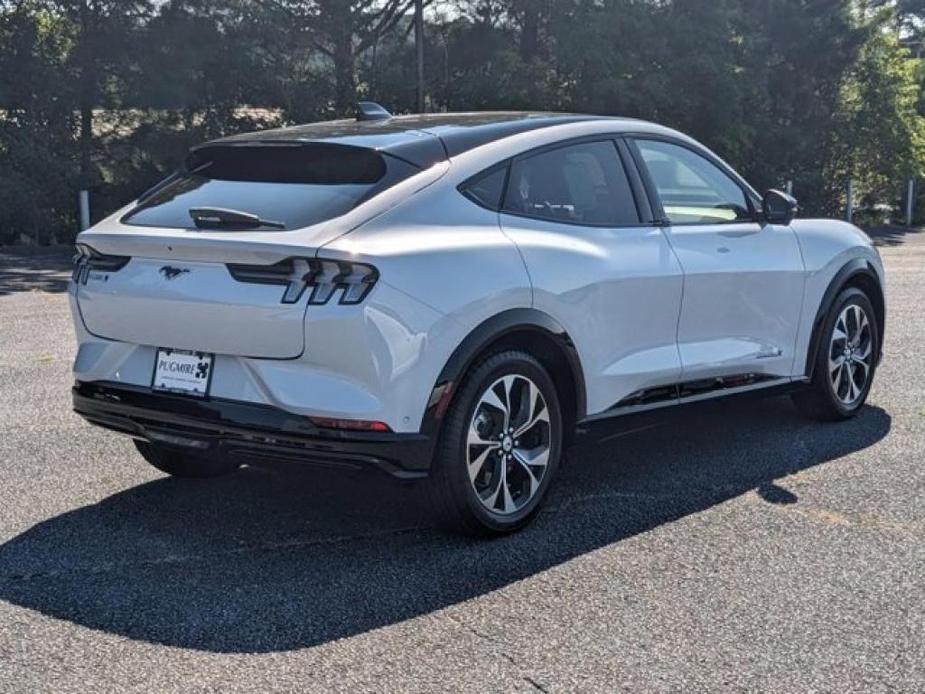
x=740 y=546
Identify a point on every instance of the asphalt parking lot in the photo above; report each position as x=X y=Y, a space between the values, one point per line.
x=738 y=547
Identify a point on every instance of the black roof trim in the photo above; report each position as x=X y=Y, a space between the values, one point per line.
x=422 y=140
x=459 y=139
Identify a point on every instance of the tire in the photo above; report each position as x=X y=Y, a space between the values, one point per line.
x=512 y=470
x=181 y=464
x=836 y=391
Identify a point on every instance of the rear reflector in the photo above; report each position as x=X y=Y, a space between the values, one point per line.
x=349 y=424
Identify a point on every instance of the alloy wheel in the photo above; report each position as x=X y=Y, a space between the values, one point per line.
x=508 y=443
x=850 y=354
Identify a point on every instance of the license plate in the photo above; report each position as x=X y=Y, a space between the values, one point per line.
x=178 y=371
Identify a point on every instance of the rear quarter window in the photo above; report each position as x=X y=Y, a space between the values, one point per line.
x=297 y=185
x=486 y=188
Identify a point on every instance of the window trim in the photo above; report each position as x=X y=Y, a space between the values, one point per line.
x=647 y=218
x=751 y=196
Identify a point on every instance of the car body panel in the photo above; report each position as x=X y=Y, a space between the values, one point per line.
x=827 y=246
x=625 y=344
x=191 y=306
x=743 y=294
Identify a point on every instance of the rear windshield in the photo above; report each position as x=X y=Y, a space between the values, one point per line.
x=295 y=185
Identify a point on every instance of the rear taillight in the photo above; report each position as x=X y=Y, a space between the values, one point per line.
x=325 y=278
x=88 y=260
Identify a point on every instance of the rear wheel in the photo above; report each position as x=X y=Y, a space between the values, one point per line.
x=500 y=447
x=182 y=464
x=846 y=360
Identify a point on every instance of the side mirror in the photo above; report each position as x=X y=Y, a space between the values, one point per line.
x=778 y=207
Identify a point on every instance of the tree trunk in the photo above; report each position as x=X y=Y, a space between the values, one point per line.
x=345 y=80
x=419 y=51
x=530 y=31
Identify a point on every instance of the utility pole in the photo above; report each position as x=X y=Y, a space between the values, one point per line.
x=910 y=201
x=419 y=49
x=849 y=207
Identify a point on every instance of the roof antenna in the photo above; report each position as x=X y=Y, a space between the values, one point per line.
x=370 y=110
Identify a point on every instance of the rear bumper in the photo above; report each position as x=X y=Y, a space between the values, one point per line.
x=246 y=431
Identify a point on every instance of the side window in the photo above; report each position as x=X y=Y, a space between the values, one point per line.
x=577 y=184
x=692 y=189
x=486 y=188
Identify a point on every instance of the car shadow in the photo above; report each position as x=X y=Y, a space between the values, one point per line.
x=24 y=269
x=273 y=560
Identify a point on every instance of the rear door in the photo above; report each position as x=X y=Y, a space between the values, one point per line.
x=599 y=266
x=743 y=279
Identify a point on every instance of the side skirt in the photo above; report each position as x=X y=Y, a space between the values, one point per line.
x=642 y=409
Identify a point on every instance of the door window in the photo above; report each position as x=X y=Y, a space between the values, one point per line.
x=583 y=183
x=692 y=189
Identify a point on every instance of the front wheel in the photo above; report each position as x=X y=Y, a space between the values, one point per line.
x=846 y=360
x=500 y=447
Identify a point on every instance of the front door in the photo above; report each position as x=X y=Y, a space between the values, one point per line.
x=743 y=279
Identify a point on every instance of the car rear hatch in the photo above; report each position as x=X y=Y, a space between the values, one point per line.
x=166 y=273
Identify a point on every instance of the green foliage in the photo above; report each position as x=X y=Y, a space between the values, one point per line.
x=110 y=94
x=38 y=154
x=879 y=136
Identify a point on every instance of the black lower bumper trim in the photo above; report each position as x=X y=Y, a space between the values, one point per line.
x=247 y=431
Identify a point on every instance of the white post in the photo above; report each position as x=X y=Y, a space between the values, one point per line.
x=789 y=187
x=84 y=203
x=849 y=207
x=910 y=202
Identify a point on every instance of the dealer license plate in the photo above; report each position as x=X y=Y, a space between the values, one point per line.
x=179 y=371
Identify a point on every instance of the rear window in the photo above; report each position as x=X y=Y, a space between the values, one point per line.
x=294 y=185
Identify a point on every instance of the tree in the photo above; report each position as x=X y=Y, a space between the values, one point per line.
x=342 y=30
x=102 y=37
x=37 y=149
x=879 y=135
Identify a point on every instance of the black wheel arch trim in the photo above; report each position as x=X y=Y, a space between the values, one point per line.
x=483 y=336
x=853 y=268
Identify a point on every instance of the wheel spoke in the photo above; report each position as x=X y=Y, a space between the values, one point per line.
x=476 y=464
x=537 y=457
x=508 y=384
x=853 y=390
x=860 y=322
x=533 y=417
x=475 y=438
x=491 y=399
x=836 y=363
x=836 y=381
x=491 y=499
x=527 y=407
x=525 y=465
x=507 y=501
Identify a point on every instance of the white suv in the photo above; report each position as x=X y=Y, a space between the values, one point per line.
x=447 y=296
